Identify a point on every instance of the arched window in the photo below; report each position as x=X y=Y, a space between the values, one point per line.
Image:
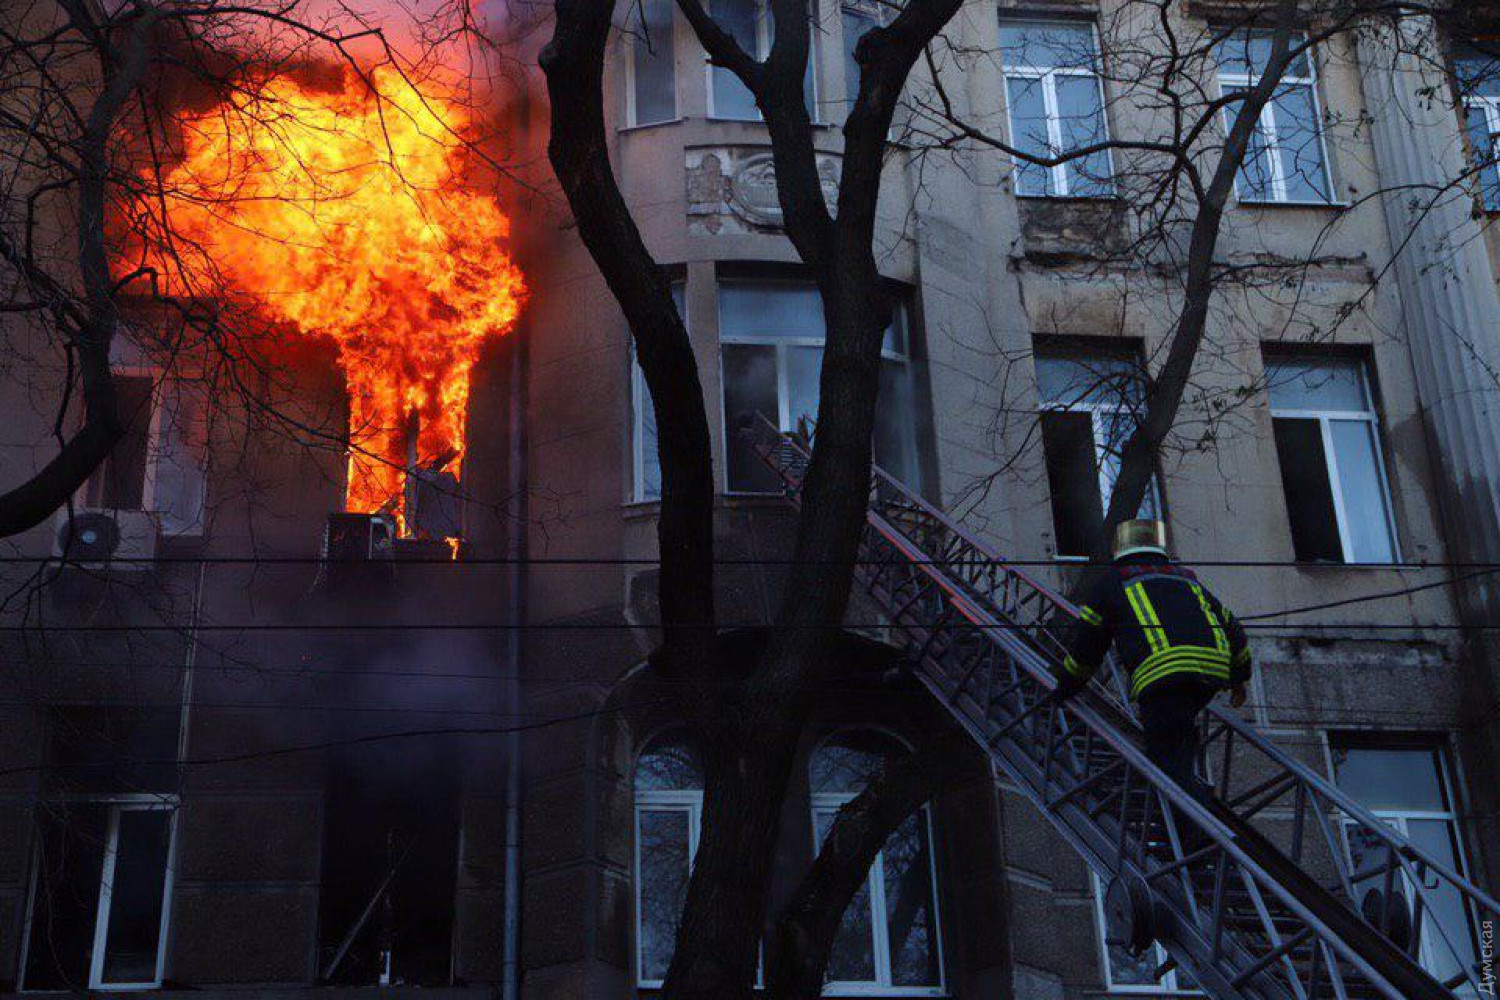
x=889 y=940
x=668 y=814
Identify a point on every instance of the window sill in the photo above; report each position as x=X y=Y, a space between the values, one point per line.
x=1362 y=567
x=648 y=126
x=1335 y=206
x=1086 y=199
x=872 y=990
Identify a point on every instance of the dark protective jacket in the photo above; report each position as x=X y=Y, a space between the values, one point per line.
x=1163 y=624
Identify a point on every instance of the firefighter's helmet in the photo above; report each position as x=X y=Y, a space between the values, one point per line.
x=1140 y=536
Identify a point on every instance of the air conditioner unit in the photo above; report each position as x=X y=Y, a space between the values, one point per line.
x=99 y=538
x=357 y=537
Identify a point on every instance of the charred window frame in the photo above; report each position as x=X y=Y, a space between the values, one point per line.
x=1089 y=404
x=890 y=942
x=1407 y=783
x=1477 y=70
x=771 y=336
x=1287 y=160
x=650 y=60
x=750 y=23
x=645 y=462
x=1329 y=447
x=1055 y=102
x=160 y=466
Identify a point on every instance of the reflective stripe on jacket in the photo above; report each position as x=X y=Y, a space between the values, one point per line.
x=1162 y=622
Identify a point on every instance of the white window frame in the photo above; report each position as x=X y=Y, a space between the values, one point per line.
x=1266 y=122
x=1397 y=820
x=639 y=400
x=115 y=804
x=1048 y=75
x=781 y=344
x=153 y=375
x=763 y=39
x=1326 y=419
x=85 y=498
x=1491 y=108
x=880 y=11
x=1168 y=985
x=829 y=803
x=1099 y=411
x=629 y=41
x=682 y=801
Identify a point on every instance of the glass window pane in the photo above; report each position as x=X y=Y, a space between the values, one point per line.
x=664 y=868
x=1477 y=121
x=765 y=311
x=910 y=919
x=1309 y=494
x=749 y=389
x=1047 y=45
x=1299 y=145
x=1081 y=117
x=1447 y=926
x=740 y=18
x=847 y=762
x=1112 y=431
x=1366 y=507
x=1331 y=384
x=803 y=366
x=180 y=459
x=856 y=21
x=654 y=62
x=1246 y=53
x=1095 y=378
x=1254 y=179
x=1073 y=479
x=670 y=763
x=852 y=958
x=649 y=488
x=895 y=437
x=1478 y=68
x=1028 y=133
x=1391 y=779
x=135 y=905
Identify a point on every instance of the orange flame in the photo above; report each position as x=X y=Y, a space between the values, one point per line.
x=345 y=214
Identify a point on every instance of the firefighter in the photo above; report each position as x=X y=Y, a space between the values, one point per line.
x=1177 y=643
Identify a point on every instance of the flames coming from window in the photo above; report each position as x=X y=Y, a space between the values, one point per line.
x=349 y=215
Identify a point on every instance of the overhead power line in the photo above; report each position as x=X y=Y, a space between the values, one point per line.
x=1056 y=563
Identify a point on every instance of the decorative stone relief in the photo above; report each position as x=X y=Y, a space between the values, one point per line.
x=733 y=189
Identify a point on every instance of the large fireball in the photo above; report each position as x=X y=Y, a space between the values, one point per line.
x=347 y=214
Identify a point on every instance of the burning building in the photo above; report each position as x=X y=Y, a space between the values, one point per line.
x=237 y=755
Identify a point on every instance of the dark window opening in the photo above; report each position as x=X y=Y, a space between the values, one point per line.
x=65 y=900
x=121 y=483
x=1073 y=478
x=1309 y=495
x=390 y=857
x=750 y=391
x=99 y=894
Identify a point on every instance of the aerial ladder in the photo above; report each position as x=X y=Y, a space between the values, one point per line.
x=1248 y=907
